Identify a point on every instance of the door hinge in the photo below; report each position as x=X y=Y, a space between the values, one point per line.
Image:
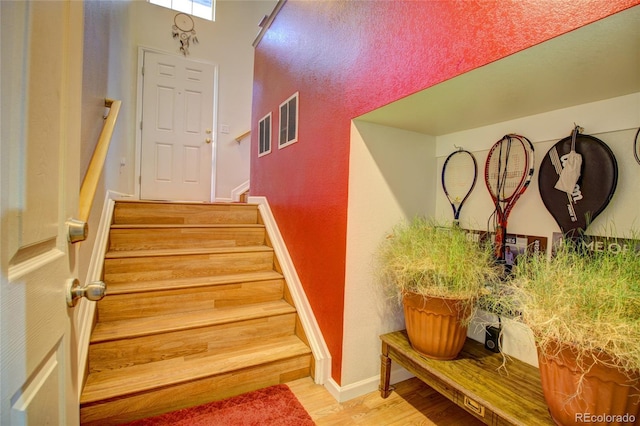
x=141 y=125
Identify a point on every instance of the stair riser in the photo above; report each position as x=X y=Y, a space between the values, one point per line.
x=128 y=306
x=187 y=214
x=182 y=266
x=178 y=238
x=204 y=341
x=193 y=393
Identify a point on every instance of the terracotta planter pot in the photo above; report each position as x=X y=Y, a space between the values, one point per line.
x=434 y=325
x=604 y=396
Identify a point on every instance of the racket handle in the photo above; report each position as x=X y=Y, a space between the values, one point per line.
x=499 y=243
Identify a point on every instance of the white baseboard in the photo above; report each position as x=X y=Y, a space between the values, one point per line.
x=311 y=328
x=239 y=190
x=318 y=346
x=363 y=387
x=86 y=308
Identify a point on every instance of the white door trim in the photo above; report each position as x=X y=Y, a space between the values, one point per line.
x=139 y=99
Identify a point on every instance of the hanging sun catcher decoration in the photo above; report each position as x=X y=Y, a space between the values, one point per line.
x=184 y=30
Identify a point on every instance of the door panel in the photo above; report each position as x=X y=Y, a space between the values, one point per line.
x=41 y=83
x=177 y=128
x=164 y=160
x=40 y=401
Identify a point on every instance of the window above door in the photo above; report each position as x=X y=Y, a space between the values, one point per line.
x=201 y=8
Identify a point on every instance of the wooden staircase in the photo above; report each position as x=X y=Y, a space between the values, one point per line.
x=196 y=310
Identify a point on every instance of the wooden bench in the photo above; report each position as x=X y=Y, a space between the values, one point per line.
x=475 y=380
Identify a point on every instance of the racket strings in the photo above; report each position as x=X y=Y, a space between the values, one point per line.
x=459 y=176
x=508 y=172
x=503 y=175
x=500 y=178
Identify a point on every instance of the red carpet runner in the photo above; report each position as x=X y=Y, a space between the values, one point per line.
x=272 y=406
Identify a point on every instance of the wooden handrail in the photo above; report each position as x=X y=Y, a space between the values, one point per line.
x=92 y=177
x=242 y=136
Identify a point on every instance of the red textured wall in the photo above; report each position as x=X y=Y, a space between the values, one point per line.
x=346 y=58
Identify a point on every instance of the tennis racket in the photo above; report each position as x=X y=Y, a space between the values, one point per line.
x=593 y=191
x=459 y=175
x=508 y=171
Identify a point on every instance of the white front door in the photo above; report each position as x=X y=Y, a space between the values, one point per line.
x=41 y=81
x=177 y=129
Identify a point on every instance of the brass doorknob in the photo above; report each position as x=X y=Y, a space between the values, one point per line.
x=77 y=230
x=93 y=291
x=208 y=140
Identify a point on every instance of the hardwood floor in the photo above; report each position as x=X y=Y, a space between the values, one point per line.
x=412 y=403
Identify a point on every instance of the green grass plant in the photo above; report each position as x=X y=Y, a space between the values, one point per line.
x=590 y=300
x=424 y=257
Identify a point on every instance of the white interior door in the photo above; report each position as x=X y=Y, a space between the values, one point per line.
x=177 y=129
x=41 y=83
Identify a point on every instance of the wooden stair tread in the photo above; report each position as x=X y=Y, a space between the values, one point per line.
x=129 y=328
x=192 y=282
x=189 y=203
x=121 y=254
x=196 y=309
x=143 y=377
x=141 y=212
x=189 y=225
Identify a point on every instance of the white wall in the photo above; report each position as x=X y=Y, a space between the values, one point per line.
x=392 y=177
x=226 y=42
x=395 y=174
x=113 y=32
x=108 y=72
x=614 y=121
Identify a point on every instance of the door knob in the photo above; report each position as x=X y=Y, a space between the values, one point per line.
x=77 y=230
x=208 y=140
x=93 y=291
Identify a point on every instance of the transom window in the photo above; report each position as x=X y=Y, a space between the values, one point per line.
x=201 y=8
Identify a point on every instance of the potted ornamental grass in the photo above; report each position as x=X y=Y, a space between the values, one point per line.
x=584 y=310
x=438 y=273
